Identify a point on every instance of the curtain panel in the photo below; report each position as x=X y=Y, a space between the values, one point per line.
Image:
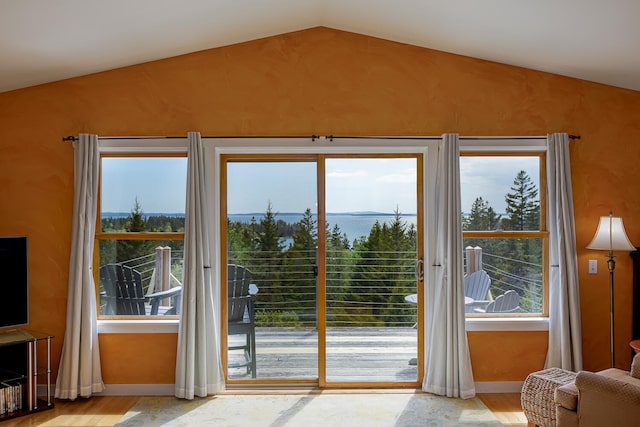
x=447 y=359
x=565 y=335
x=79 y=372
x=199 y=364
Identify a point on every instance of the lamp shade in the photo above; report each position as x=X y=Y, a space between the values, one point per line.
x=611 y=236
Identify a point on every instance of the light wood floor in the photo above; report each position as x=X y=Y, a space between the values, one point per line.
x=506 y=407
x=107 y=410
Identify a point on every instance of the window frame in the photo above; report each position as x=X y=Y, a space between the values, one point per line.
x=542 y=233
x=133 y=148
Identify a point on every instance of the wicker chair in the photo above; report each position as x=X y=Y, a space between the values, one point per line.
x=605 y=398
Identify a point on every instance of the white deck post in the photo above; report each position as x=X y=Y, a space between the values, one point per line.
x=477 y=253
x=157 y=285
x=470 y=260
x=166 y=272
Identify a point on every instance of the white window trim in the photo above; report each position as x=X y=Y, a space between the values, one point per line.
x=134 y=326
x=476 y=324
x=487 y=324
x=324 y=144
x=480 y=144
x=124 y=145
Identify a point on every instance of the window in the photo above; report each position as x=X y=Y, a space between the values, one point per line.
x=504 y=231
x=140 y=235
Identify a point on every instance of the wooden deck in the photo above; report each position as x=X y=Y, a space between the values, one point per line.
x=353 y=354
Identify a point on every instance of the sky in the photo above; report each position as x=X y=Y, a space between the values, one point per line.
x=159 y=184
x=352 y=185
x=492 y=177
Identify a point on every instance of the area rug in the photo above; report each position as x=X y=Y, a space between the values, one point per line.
x=310 y=410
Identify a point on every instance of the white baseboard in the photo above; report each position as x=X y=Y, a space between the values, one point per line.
x=169 y=389
x=137 y=390
x=499 y=386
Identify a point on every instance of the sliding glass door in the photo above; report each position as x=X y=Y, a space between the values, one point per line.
x=371 y=254
x=326 y=249
x=271 y=231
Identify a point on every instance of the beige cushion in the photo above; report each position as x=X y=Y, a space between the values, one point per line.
x=618 y=374
x=605 y=401
x=606 y=398
x=635 y=366
x=567 y=396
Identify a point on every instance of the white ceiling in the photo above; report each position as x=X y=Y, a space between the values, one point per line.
x=47 y=40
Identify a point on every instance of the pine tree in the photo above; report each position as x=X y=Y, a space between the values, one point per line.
x=523 y=206
x=397 y=235
x=383 y=273
x=366 y=278
x=300 y=266
x=136 y=220
x=269 y=256
x=339 y=262
x=400 y=261
x=127 y=250
x=242 y=242
x=482 y=217
x=269 y=239
x=305 y=237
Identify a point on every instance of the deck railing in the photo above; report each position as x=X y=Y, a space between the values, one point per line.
x=364 y=292
x=360 y=291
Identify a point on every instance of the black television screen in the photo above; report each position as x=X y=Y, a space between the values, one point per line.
x=14 y=282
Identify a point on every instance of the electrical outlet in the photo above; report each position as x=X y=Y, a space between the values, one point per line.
x=593 y=266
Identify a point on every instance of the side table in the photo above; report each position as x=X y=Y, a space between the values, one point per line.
x=537 y=395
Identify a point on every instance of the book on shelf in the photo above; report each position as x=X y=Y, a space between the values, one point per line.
x=11 y=396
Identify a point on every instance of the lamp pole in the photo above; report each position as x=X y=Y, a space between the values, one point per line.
x=611 y=263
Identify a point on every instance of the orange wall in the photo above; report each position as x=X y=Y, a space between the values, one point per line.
x=138 y=359
x=320 y=81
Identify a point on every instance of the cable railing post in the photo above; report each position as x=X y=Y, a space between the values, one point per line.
x=156 y=286
x=166 y=272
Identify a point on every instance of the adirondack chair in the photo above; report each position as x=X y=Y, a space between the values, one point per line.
x=476 y=287
x=241 y=315
x=505 y=303
x=123 y=293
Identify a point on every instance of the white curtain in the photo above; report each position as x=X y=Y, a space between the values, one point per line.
x=447 y=360
x=198 y=365
x=565 y=336
x=79 y=373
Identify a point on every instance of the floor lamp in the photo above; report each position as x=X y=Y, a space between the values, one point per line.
x=611 y=236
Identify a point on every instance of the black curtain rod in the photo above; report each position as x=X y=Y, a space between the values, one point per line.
x=75 y=138
x=433 y=138
x=329 y=137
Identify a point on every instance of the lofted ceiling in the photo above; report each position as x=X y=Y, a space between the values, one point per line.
x=48 y=40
